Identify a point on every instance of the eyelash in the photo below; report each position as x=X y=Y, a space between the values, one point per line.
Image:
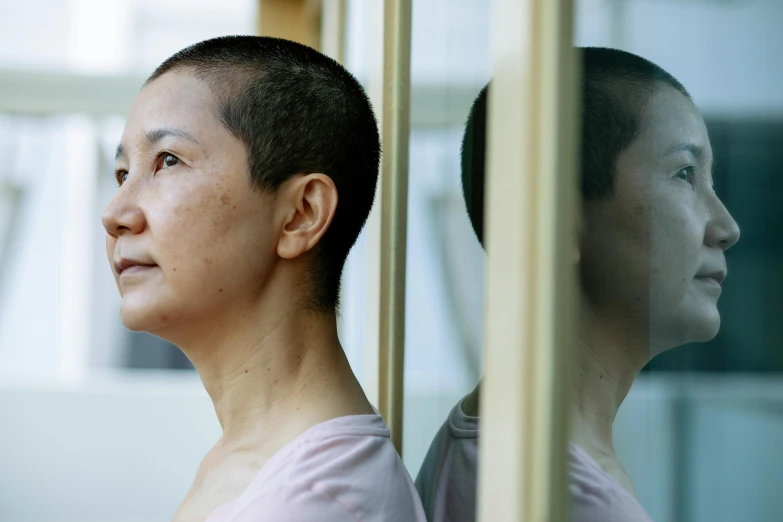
x=121 y=174
x=690 y=174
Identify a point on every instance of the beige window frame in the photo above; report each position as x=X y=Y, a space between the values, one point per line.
x=393 y=201
x=530 y=237
x=389 y=90
x=295 y=20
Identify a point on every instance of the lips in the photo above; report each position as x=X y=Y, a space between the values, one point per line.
x=130 y=265
x=718 y=276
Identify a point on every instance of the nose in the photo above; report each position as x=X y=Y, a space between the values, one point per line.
x=722 y=231
x=122 y=214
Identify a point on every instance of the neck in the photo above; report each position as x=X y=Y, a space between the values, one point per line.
x=608 y=360
x=273 y=371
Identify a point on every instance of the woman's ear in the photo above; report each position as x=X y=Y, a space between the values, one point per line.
x=309 y=202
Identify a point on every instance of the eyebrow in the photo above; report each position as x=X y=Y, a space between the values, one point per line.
x=151 y=137
x=696 y=150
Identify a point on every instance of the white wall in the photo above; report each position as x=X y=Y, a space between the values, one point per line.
x=114 y=448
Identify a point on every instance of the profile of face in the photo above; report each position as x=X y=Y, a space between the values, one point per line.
x=652 y=255
x=188 y=239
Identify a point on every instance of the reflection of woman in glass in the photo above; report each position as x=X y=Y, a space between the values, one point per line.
x=651 y=260
x=227 y=237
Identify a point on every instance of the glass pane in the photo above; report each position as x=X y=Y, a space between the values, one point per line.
x=697 y=433
x=450 y=57
x=444 y=288
x=695 y=437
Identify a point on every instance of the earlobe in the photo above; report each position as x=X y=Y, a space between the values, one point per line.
x=311 y=202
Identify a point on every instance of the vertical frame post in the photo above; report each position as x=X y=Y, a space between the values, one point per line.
x=531 y=235
x=395 y=130
x=295 y=20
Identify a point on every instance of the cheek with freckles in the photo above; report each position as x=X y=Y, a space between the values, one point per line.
x=197 y=231
x=679 y=312
x=676 y=243
x=615 y=264
x=216 y=243
x=633 y=240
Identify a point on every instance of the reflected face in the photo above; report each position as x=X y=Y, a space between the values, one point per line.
x=653 y=254
x=183 y=236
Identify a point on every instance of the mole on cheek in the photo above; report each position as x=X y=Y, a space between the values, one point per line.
x=225 y=199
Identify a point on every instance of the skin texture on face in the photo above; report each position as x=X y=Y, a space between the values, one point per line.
x=186 y=207
x=647 y=252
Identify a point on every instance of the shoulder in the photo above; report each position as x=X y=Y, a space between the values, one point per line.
x=448 y=473
x=345 y=450
x=458 y=434
x=344 y=471
x=596 y=497
x=321 y=504
x=294 y=505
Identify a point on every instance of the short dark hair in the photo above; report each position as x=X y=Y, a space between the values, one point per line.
x=616 y=87
x=296 y=111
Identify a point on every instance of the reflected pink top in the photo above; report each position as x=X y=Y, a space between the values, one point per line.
x=447 y=480
x=344 y=469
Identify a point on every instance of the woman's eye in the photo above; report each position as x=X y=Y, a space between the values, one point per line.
x=686 y=174
x=120 y=176
x=167 y=160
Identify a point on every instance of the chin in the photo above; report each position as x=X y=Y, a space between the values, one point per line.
x=704 y=327
x=141 y=317
x=134 y=321
x=698 y=327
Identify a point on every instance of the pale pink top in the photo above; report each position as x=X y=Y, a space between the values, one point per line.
x=344 y=469
x=447 y=480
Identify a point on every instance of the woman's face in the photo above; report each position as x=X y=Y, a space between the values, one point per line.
x=188 y=239
x=652 y=256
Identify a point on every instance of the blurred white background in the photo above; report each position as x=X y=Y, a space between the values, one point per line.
x=98 y=424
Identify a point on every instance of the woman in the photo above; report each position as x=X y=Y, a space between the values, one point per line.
x=246 y=170
x=651 y=260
